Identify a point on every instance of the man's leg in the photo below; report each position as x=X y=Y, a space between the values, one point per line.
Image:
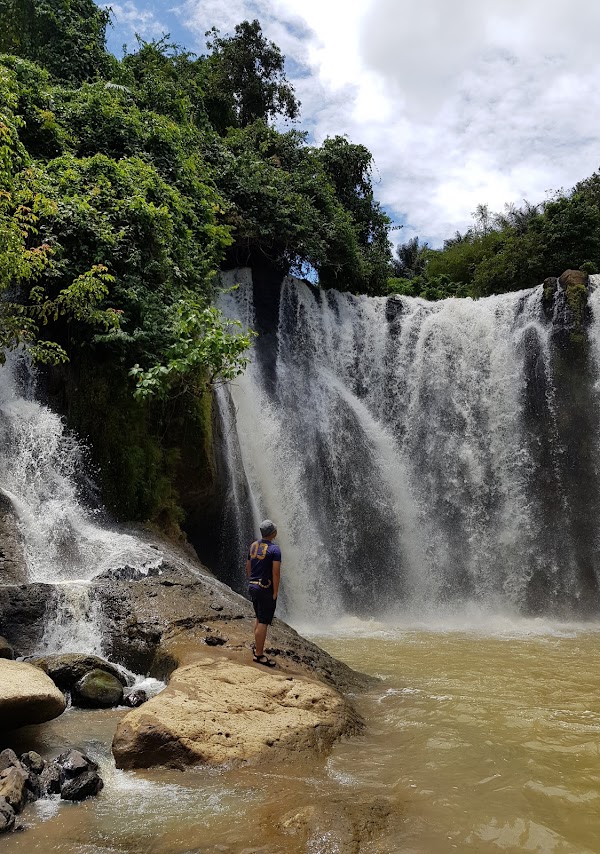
x=260 y=636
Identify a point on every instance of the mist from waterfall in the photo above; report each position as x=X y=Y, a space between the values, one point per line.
x=412 y=454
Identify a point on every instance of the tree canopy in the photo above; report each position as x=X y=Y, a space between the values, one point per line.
x=507 y=251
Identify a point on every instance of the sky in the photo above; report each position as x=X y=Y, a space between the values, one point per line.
x=461 y=102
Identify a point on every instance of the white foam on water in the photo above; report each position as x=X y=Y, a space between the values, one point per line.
x=465 y=621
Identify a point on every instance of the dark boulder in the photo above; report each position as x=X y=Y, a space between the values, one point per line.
x=565 y=302
x=394 y=308
x=7 y=816
x=79 y=778
x=34 y=766
x=81 y=787
x=50 y=779
x=23 y=612
x=135 y=699
x=13 y=567
x=74 y=762
x=97 y=689
x=33 y=762
x=66 y=670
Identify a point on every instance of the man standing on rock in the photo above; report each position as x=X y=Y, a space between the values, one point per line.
x=263 y=569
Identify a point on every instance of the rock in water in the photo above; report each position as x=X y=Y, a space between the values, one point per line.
x=135 y=698
x=50 y=779
x=13 y=787
x=79 y=777
x=66 y=670
x=7 y=816
x=27 y=695
x=8 y=759
x=81 y=787
x=98 y=689
x=216 y=711
x=33 y=761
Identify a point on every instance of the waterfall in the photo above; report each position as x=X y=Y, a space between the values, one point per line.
x=40 y=467
x=417 y=456
x=65 y=543
x=73 y=621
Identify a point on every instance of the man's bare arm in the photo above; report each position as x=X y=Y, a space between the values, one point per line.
x=248 y=568
x=276 y=576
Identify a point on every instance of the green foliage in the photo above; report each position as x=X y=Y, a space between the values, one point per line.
x=411 y=259
x=207 y=349
x=521 y=247
x=67 y=37
x=285 y=211
x=426 y=287
x=125 y=186
x=244 y=79
x=349 y=169
x=166 y=79
x=23 y=260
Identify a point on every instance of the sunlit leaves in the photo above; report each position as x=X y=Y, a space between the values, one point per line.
x=206 y=349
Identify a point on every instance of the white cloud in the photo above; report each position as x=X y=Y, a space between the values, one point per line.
x=135 y=21
x=461 y=103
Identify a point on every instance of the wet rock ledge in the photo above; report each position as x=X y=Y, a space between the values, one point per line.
x=219 y=707
x=180 y=624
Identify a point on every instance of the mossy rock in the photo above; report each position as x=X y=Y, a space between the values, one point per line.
x=98 y=690
x=68 y=669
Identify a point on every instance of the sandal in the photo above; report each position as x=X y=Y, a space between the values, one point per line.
x=262 y=659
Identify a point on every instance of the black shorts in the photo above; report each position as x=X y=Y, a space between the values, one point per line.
x=264 y=604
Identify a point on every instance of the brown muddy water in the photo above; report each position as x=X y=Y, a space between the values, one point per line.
x=476 y=742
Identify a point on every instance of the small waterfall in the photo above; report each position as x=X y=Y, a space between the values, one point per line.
x=65 y=543
x=72 y=621
x=416 y=455
x=40 y=467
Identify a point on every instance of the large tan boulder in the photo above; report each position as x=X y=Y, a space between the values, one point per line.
x=216 y=711
x=27 y=695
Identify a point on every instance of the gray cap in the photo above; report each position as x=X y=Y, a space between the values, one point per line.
x=267 y=528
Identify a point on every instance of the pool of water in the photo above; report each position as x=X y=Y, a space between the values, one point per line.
x=483 y=741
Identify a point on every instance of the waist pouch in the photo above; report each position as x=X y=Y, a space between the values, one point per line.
x=262 y=585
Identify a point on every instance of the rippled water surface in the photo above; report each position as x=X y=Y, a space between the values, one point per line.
x=497 y=738
x=481 y=743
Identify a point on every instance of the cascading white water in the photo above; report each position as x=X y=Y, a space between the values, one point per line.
x=73 y=622
x=398 y=449
x=40 y=466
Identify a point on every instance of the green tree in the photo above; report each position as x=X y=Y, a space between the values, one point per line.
x=164 y=78
x=349 y=168
x=411 y=259
x=67 y=37
x=206 y=349
x=244 y=79
x=26 y=304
